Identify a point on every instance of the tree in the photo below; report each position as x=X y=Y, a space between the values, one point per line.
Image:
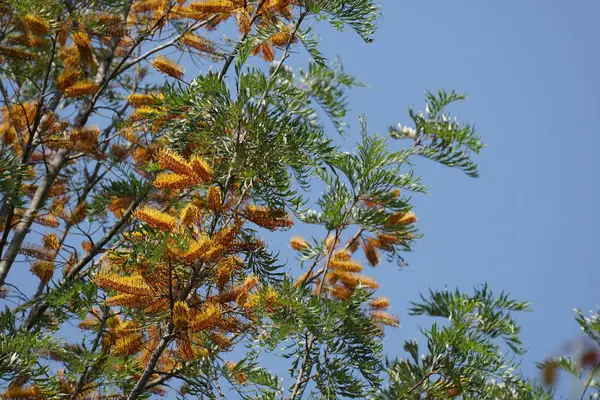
x=172 y=179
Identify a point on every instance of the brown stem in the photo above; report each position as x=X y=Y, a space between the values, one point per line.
x=84 y=378
x=140 y=385
x=589 y=381
x=307 y=364
x=231 y=56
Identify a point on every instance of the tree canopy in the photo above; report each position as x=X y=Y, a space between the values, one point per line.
x=140 y=195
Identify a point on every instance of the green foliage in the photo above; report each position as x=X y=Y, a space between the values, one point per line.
x=440 y=137
x=11 y=177
x=361 y=15
x=346 y=345
x=463 y=356
x=20 y=351
x=590 y=325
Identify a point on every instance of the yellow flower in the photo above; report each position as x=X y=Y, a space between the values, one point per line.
x=379 y=303
x=156 y=219
x=169 y=67
x=198 y=43
x=213 y=6
x=214 y=199
x=81 y=88
x=36 y=24
x=173 y=162
x=201 y=168
x=298 y=243
x=385 y=318
x=174 y=181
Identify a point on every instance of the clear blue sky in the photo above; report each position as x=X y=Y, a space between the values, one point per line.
x=529 y=224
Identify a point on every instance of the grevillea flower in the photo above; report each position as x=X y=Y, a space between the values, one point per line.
x=126 y=284
x=82 y=41
x=341 y=292
x=379 y=303
x=189 y=214
x=243 y=21
x=36 y=24
x=368 y=282
x=298 y=243
x=207 y=317
x=67 y=78
x=214 y=199
x=81 y=88
x=173 y=162
x=130 y=301
x=384 y=318
x=43 y=270
x=49 y=221
x=198 y=249
x=167 y=66
x=141 y=99
x=50 y=241
x=280 y=38
x=371 y=252
x=201 y=167
x=13 y=52
x=402 y=218
x=267 y=217
x=198 y=43
x=181 y=314
x=213 y=6
x=37 y=252
x=128 y=345
x=147 y=5
x=156 y=219
x=18 y=392
x=267 y=52
x=350 y=266
x=174 y=181
x=343 y=255
x=225 y=270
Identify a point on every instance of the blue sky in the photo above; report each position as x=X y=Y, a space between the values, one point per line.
x=528 y=224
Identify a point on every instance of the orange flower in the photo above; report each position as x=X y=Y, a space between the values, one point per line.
x=214 y=199
x=81 y=88
x=371 y=252
x=198 y=43
x=169 y=67
x=213 y=6
x=379 y=303
x=43 y=270
x=189 y=214
x=156 y=219
x=67 y=79
x=298 y=243
x=35 y=24
x=13 y=52
x=140 y=99
x=385 y=318
x=267 y=217
x=174 y=181
x=201 y=167
x=403 y=218
x=173 y=162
